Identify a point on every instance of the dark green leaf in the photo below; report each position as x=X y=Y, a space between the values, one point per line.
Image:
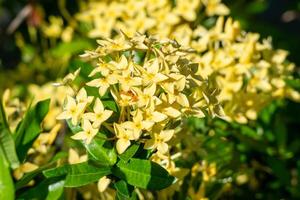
x=124 y=191
x=129 y=153
x=30 y=128
x=280 y=170
x=57 y=171
x=39 y=191
x=78 y=174
x=83 y=174
x=144 y=174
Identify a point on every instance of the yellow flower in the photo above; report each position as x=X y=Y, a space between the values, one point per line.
x=82 y=97
x=45 y=140
x=208 y=171
x=187 y=9
x=159 y=141
x=215 y=7
x=124 y=136
x=145 y=96
x=103 y=183
x=74 y=157
x=99 y=115
x=127 y=81
x=71 y=77
x=150 y=114
x=67 y=34
x=72 y=111
x=88 y=132
x=152 y=75
x=137 y=124
x=54 y=29
x=23 y=169
x=103 y=83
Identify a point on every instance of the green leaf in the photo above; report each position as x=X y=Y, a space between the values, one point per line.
x=30 y=127
x=31 y=175
x=294 y=83
x=85 y=68
x=280 y=170
x=102 y=151
x=78 y=174
x=129 y=153
x=70 y=48
x=124 y=191
x=83 y=174
x=55 y=190
x=6 y=182
x=74 y=129
x=144 y=174
x=7 y=141
x=99 y=149
x=57 y=171
x=110 y=104
x=40 y=190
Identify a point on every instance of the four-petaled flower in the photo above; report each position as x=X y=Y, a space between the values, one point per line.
x=159 y=141
x=72 y=111
x=88 y=132
x=99 y=115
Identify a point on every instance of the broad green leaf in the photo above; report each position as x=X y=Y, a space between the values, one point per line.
x=124 y=191
x=31 y=175
x=57 y=171
x=30 y=128
x=144 y=174
x=39 y=191
x=55 y=190
x=83 y=174
x=129 y=153
x=7 y=141
x=102 y=151
x=78 y=174
x=6 y=183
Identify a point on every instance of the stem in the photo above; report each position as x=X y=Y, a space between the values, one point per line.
x=106 y=125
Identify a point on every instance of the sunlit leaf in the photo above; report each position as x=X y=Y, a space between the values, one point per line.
x=144 y=174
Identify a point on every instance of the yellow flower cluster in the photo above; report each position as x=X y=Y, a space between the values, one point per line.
x=250 y=73
x=161 y=17
x=55 y=29
x=154 y=87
